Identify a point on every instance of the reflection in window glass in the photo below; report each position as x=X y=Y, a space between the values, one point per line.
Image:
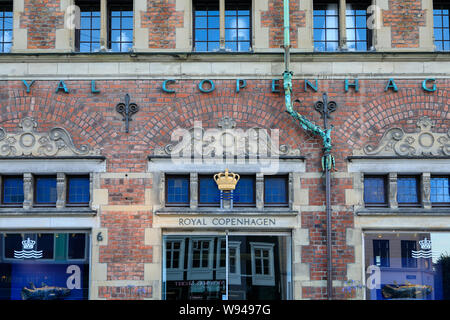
x=78 y=190
x=87 y=37
x=237 y=25
x=440 y=190
x=375 y=190
x=36 y=266
x=358 y=35
x=275 y=190
x=206 y=25
x=12 y=190
x=326 y=26
x=407 y=190
x=120 y=26
x=178 y=190
x=6 y=27
x=258 y=267
x=418 y=269
x=441 y=19
x=46 y=190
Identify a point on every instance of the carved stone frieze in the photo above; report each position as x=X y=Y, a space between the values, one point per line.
x=227 y=141
x=28 y=142
x=424 y=142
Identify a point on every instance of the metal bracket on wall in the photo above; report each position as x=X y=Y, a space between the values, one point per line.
x=127 y=109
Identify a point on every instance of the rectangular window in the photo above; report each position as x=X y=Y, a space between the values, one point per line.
x=78 y=190
x=244 y=194
x=208 y=192
x=6 y=26
x=45 y=190
x=381 y=253
x=440 y=191
x=177 y=190
x=276 y=191
x=12 y=188
x=87 y=37
x=262 y=264
x=441 y=18
x=359 y=36
x=237 y=26
x=120 y=22
x=76 y=246
x=407 y=246
x=408 y=191
x=326 y=26
x=375 y=191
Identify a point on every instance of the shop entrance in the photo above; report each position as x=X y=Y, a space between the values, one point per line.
x=231 y=266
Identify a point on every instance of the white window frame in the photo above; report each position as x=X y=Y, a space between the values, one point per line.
x=173 y=274
x=261 y=279
x=202 y=273
x=235 y=277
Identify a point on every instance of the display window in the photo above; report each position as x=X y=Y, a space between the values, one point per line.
x=227 y=267
x=407 y=265
x=44 y=265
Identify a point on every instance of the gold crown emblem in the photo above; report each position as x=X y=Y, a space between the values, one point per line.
x=226 y=181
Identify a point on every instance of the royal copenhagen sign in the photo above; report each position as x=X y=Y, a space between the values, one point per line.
x=225 y=221
x=207 y=85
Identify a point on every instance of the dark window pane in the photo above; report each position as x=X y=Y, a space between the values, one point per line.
x=407 y=190
x=178 y=190
x=408 y=261
x=374 y=190
x=46 y=190
x=245 y=191
x=208 y=191
x=275 y=190
x=381 y=253
x=13 y=242
x=12 y=190
x=45 y=243
x=78 y=189
x=77 y=246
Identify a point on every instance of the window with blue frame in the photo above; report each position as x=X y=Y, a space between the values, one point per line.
x=375 y=191
x=276 y=191
x=441 y=17
x=408 y=191
x=45 y=190
x=12 y=190
x=78 y=190
x=177 y=190
x=407 y=247
x=381 y=253
x=87 y=37
x=244 y=194
x=440 y=191
x=208 y=192
x=6 y=26
x=120 y=22
x=207 y=28
x=326 y=25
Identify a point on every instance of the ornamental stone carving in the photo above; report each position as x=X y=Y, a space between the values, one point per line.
x=29 y=142
x=227 y=141
x=424 y=142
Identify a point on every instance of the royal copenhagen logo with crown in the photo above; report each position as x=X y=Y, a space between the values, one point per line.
x=425 y=250
x=226 y=181
x=27 y=250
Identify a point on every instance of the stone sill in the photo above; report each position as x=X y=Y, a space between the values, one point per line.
x=404 y=212
x=186 y=56
x=239 y=211
x=44 y=211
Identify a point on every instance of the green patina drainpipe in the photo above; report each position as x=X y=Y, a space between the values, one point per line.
x=327 y=159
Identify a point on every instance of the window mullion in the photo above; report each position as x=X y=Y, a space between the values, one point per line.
x=222 y=25
x=103 y=25
x=342 y=25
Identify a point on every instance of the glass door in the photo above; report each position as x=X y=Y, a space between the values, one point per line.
x=227 y=267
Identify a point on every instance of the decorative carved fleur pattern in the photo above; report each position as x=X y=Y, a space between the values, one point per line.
x=29 y=142
x=395 y=142
x=227 y=141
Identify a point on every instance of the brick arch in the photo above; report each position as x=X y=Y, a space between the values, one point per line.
x=370 y=122
x=247 y=109
x=56 y=110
